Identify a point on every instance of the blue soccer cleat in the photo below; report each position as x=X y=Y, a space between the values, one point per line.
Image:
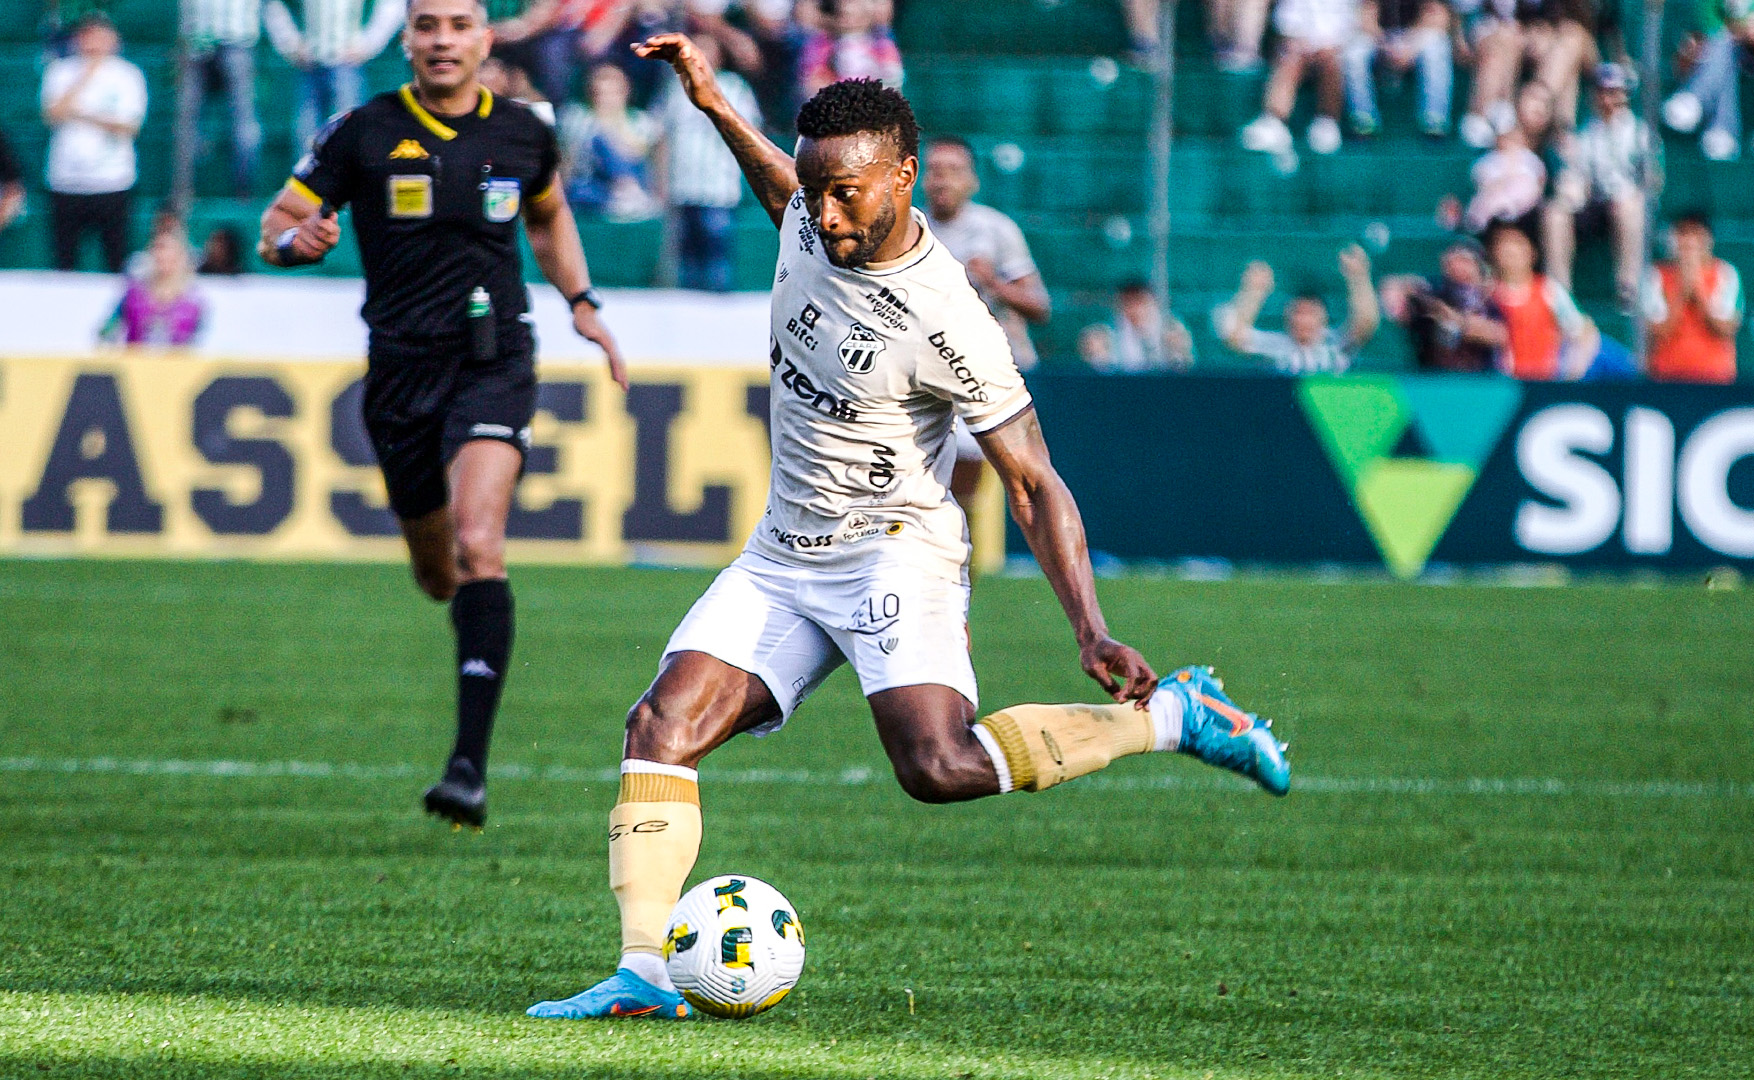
x=622 y=994
x=1218 y=733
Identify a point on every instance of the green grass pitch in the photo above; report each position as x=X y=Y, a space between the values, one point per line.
x=1523 y=844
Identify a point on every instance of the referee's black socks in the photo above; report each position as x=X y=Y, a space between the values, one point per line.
x=481 y=613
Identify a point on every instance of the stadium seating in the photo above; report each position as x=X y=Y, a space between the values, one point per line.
x=1059 y=126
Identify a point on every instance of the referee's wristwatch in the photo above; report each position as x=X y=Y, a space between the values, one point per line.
x=589 y=296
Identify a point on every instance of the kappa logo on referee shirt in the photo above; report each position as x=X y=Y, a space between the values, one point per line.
x=409 y=150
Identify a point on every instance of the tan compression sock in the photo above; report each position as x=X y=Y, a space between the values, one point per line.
x=654 y=837
x=1044 y=745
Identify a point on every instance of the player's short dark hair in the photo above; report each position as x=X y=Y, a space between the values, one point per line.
x=855 y=106
x=1134 y=285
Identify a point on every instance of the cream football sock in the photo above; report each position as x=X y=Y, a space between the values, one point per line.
x=1034 y=747
x=654 y=837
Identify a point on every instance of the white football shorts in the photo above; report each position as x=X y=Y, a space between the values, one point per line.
x=791 y=627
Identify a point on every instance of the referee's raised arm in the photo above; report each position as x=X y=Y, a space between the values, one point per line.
x=772 y=174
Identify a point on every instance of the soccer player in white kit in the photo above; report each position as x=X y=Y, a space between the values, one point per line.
x=878 y=341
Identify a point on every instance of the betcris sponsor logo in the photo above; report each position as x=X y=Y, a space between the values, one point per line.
x=1636 y=473
x=977 y=390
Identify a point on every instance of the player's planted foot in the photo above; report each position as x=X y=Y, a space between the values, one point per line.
x=461 y=797
x=621 y=994
x=1214 y=730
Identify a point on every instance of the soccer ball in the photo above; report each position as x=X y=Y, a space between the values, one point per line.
x=734 y=946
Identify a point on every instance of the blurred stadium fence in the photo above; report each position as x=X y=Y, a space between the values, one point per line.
x=185 y=457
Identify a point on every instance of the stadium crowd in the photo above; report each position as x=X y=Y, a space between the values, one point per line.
x=1564 y=157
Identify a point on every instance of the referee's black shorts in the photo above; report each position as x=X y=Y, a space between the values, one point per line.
x=426 y=397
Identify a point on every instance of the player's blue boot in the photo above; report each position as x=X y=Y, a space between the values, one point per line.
x=1218 y=733
x=621 y=994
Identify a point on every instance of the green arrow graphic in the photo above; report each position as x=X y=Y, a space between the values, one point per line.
x=1408 y=503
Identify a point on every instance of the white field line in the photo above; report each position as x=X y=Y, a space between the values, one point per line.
x=859 y=775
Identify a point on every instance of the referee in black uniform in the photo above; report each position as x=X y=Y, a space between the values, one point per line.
x=438 y=174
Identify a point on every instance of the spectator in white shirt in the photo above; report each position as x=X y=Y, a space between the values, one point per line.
x=1308 y=345
x=1139 y=338
x=328 y=47
x=988 y=244
x=1602 y=187
x=1313 y=33
x=701 y=180
x=218 y=45
x=1510 y=182
x=93 y=102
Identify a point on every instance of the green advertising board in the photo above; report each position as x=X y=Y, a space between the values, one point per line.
x=1406 y=471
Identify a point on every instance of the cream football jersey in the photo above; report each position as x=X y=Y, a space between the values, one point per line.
x=870 y=367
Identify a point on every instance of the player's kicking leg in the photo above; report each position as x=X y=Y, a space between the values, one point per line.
x=694 y=706
x=458 y=553
x=940 y=753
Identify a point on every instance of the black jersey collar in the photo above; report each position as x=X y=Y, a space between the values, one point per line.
x=433 y=123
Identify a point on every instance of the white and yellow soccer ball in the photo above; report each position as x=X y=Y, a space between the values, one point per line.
x=734 y=946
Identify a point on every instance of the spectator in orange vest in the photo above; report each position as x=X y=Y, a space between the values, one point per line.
x=1546 y=336
x=1693 y=308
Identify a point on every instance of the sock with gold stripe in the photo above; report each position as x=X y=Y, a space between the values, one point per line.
x=654 y=837
x=1034 y=747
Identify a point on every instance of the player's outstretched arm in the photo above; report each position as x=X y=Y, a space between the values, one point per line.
x=1044 y=509
x=554 y=241
x=296 y=230
x=770 y=170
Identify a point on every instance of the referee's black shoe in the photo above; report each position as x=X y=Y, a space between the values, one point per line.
x=461 y=797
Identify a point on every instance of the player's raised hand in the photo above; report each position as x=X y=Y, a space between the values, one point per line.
x=1257 y=277
x=698 y=80
x=1119 y=669
x=591 y=327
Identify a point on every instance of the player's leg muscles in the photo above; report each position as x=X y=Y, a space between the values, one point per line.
x=696 y=703
x=935 y=754
x=941 y=755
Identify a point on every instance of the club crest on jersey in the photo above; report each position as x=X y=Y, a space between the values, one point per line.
x=860 y=349
x=500 y=199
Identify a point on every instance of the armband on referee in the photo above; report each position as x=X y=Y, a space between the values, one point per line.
x=284 y=254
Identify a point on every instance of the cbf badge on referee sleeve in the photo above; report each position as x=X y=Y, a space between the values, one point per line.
x=410 y=196
x=500 y=200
